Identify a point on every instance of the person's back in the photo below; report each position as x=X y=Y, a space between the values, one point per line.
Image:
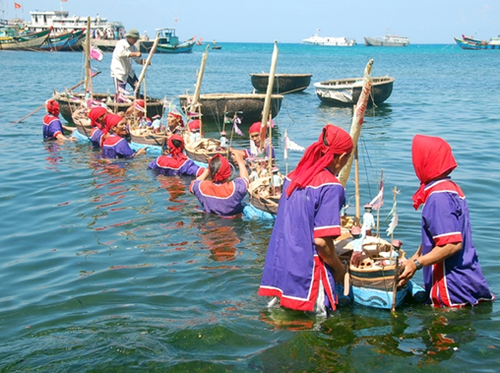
x=170 y=166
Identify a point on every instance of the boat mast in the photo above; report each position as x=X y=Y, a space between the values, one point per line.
x=88 y=78
x=199 y=78
x=267 y=101
x=357 y=120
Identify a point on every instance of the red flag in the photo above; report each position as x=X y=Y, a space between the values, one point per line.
x=17 y=6
x=378 y=201
x=64 y=1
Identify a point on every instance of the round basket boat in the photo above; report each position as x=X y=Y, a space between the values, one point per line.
x=283 y=83
x=247 y=106
x=203 y=150
x=146 y=137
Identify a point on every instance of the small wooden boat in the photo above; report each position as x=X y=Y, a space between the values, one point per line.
x=30 y=41
x=261 y=197
x=146 y=137
x=345 y=92
x=168 y=43
x=283 y=83
x=247 y=106
x=203 y=150
x=68 y=103
x=82 y=122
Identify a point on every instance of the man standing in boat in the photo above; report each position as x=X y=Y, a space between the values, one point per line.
x=302 y=267
x=121 y=63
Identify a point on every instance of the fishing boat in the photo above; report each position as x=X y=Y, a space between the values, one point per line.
x=104 y=34
x=168 y=43
x=345 y=92
x=67 y=41
x=329 y=41
x=474 y=44
x=247 y=105
x=23 y=42
x=283 y=83
x=70 y=101
x=387 y=41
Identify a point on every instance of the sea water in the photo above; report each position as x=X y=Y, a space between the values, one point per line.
x=108 y=267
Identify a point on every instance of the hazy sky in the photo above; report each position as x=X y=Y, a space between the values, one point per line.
x=288 y=21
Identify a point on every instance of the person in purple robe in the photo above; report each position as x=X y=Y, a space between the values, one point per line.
x=52 y=126
x=301 y=266
x=115 y=145
x=175 y=162
x=452 y=274
x=219 y=195
x=97 y=117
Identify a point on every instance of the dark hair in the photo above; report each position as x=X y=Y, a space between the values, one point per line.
x=177 y=143
x=214 y=166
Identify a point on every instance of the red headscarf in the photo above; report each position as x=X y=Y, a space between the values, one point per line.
x=111 y=120
x=318 y=156
x=255 y=127
x=52 y=107
x=432 y=159
x=178 y=116
x=224 y=170
x=174 y=151
x=194 y=125
x=95 y=113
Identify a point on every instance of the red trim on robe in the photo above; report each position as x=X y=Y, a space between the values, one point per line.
x=451 y=238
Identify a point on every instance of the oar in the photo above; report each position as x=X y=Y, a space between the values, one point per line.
x=146 y=64
x=41 y=107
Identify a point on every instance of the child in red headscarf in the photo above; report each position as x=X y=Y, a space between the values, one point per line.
x=52 y=126
x=302 y=267
x=452 y=274
x=176 y=162
x=116 y=146
x=220 y=196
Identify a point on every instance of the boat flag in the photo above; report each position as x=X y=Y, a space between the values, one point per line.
x=236 y=128
x=394 y=219
x=96 y=54
x=64 y=1
x=17 y=6
x=378 y=201
x=290 y=145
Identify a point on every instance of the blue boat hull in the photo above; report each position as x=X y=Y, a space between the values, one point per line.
x=467 y=45
x=383 y=299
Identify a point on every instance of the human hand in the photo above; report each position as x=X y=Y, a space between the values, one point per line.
x=141 y=151
x=407 y=270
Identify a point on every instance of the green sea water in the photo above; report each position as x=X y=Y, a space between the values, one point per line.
x=107 y=267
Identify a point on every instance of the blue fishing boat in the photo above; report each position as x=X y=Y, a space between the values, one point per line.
x=474 y=44
x=168 y=43
x=63 y=42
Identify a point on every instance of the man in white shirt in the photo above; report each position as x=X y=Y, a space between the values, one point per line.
x=121 y=63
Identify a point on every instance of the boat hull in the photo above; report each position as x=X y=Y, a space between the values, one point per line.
x=68 y=104
x=385 y=42
x=472 y=45
x=31 y=41
x=248 y=107
x=283 y=83
x=148 y=139
x=345 y=92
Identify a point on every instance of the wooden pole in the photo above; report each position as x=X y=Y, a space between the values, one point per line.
x=357 y=120
x=267 y=101
x=146 y=64
x=356 y=190
x=88 y=78
x=199 y=79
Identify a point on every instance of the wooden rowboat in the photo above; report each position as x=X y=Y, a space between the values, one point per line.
x=346 y=92
x=283 y=83
x=68 y=103
x=247 y=106
x=203 y=150
x=146 y=137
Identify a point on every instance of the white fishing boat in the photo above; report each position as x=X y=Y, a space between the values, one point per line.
x=104 y=34
x=329 y=41
x=387 y=41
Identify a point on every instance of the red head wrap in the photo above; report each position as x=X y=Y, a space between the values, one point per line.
x=52 y=107
x=432 y=159
x=332 y=141
x=178 y=116
x=194 y=125
x=255 y=127
x=95 y=113
x=111 y=120
x=176 y=152
x=224 y=170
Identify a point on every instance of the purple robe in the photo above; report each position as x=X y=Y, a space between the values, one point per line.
x=221 y=199
x=52 y=127
x=116 y=147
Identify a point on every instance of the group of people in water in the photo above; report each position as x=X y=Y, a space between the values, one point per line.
x=302 y=267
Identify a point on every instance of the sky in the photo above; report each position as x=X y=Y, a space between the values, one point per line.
x=287 y=21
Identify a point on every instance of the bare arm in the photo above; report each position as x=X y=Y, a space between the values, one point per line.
x=204 y=175
x=238 y=157
x=326 y=250
x=436 y=255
